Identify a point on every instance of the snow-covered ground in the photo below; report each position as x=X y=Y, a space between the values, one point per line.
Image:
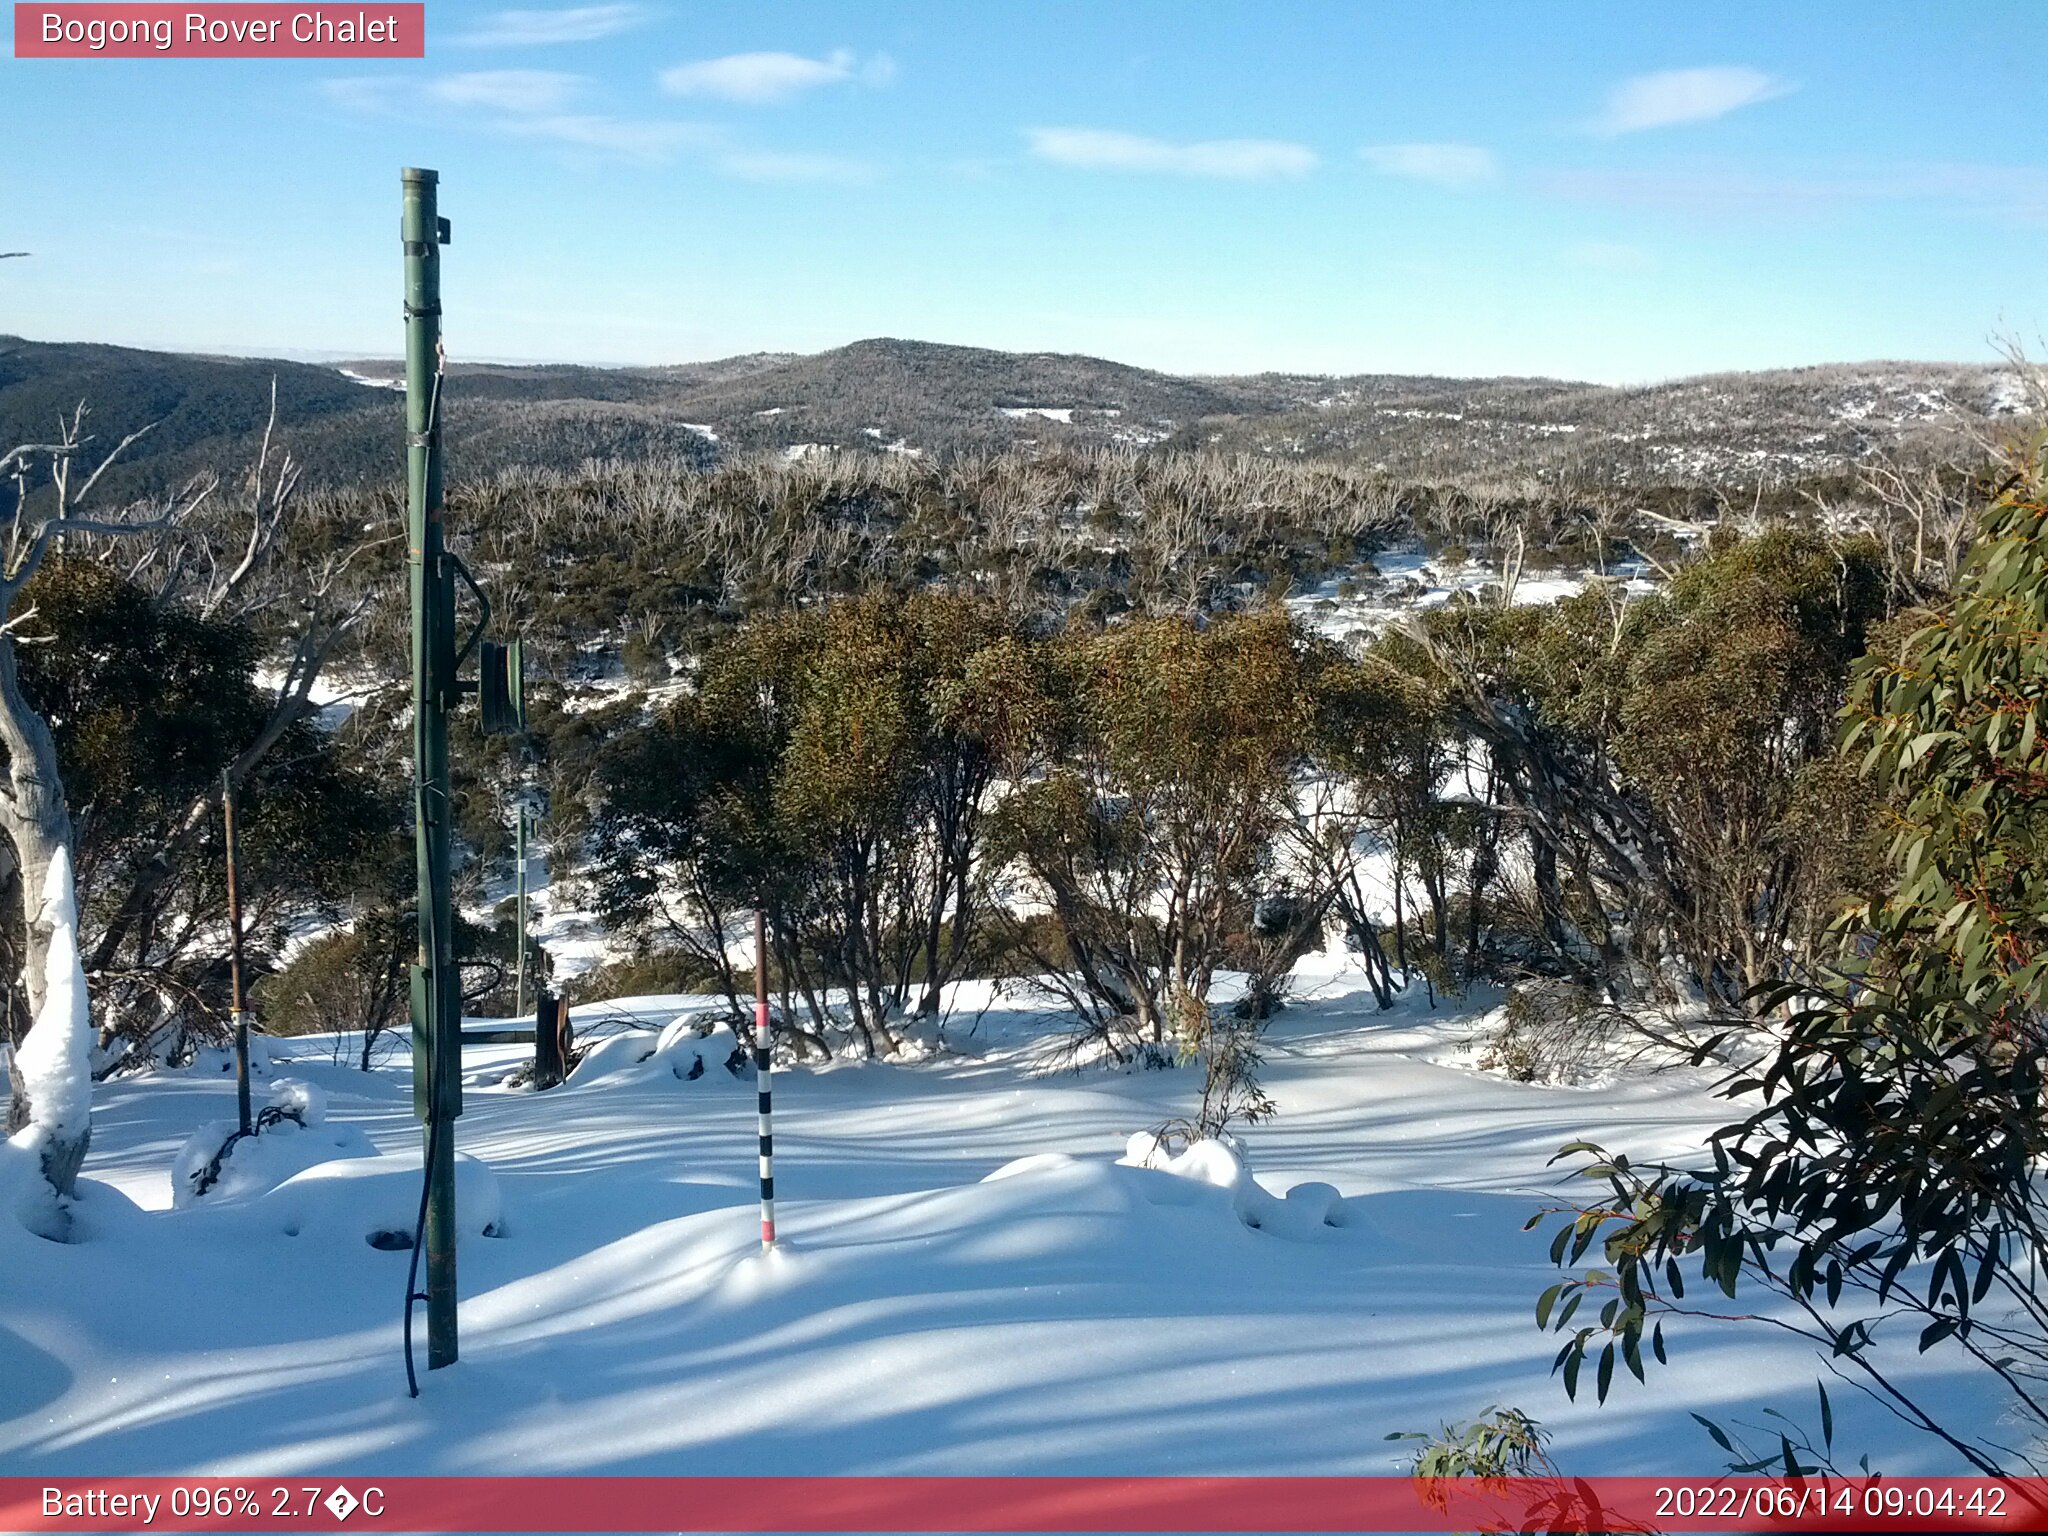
x=971 y=1280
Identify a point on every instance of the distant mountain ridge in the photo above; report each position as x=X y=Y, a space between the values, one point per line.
x=934 y=399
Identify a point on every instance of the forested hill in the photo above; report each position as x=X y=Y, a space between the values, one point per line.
x=904 y=396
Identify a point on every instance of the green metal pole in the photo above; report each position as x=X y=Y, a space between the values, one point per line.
x=437 y=1019
x=519 y=1003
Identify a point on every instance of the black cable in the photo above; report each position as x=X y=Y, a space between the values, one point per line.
x=419 y=1238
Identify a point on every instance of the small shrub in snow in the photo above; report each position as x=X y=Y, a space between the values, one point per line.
x=1226 y=1048
x=1552 y=1032
x=291 y=1134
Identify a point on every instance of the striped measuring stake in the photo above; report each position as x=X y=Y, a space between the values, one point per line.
x=763 y=1078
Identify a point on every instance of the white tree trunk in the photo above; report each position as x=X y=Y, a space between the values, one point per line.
x=50 y=1080
x=52 y=1070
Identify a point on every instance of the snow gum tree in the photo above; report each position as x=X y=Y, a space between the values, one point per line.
x=1150 y=837
x=1670 y=758
x=1385 y=746
x=1884 y=1174
x=837 y=765
x=49 y=1097
x=194 y=569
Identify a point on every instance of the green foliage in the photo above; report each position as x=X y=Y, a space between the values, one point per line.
x=1171 y=753
x=1501 y=1442
x=356 y=979
x=1674 y=756
x=1889 y=1158
x=1952 y=725
x=347 y=981
x=1225 y=1045
x=148 y=702
x=835 y=765
x=655 y=973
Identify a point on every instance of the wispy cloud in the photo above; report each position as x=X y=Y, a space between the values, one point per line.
x=533 y=29
x=539 y=104
x=768 y=79
x=650 y=141
x=1450 y=165
x=508 y=90
x=551 y=107
x=1105 y=149
x=1669 y=97
x=363 y=95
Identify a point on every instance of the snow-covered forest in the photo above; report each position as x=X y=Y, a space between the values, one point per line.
x=1203 y=896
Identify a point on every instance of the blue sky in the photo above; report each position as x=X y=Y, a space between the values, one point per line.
x=1609 y=191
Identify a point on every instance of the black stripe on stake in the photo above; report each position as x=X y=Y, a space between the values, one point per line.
x=764 y=1075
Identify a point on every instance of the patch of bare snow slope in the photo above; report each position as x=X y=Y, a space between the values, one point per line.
x=977 y=1277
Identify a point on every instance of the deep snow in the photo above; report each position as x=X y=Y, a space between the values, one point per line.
x=976 y=1275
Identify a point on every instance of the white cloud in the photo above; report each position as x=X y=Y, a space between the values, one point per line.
x=765 y=79
x=539 y=104
x=1672 y=96
x=551 y=107
x=1450 y=165
x=519 y=91
x=1104 y=149
x=531 y=29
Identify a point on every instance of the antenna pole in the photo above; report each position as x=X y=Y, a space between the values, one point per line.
x=436 y=998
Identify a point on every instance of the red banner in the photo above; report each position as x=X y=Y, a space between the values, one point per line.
x=234 y=31
x=1016 y=1504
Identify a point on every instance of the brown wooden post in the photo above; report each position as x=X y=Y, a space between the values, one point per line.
x=238 y=1013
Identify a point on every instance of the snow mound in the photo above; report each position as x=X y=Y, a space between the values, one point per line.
x=919 y=1036
x=679 y=1053
x=219 y=1060
x=291 y=1136
x=1301 y=1213
x=376 y=1199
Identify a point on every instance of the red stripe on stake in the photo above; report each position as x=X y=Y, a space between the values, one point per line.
x=1007 y=1504
x=233 y=31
